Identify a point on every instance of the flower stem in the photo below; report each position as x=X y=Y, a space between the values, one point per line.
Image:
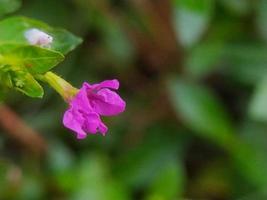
x=64 y=88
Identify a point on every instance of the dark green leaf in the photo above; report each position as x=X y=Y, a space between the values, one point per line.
x=239 y=7
x=203 y=59
x=261 y=19
x=201 y=111
x=8 y=6
x=92 y=175
x=140 y=166
x=169 y=182
x=245 y=63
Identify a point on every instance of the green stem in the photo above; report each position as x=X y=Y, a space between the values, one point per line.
x=64 y=88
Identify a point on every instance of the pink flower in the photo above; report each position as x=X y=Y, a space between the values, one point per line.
x=92 y=101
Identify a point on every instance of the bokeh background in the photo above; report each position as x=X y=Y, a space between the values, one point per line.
x=194 y=76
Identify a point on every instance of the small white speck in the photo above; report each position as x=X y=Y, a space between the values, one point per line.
x=37 y=37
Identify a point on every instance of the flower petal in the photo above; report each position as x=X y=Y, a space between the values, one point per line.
x=112 y=84
x=103 y=128
x=91 y=123
x=107 y=103
x=80 y=101
x=91 y=101
x=73 y=120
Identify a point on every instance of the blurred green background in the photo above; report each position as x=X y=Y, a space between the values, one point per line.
x=194 y=76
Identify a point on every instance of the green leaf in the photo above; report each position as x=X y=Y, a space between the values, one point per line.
x=261 y=18
x=245 y=63
x=8 y=6
x=21 y=80
x=141 y=171
x=25 y=83
x=168 y=183
x=12 y=30
x=258 y=108
x=5 y=78
x=64 y=42
x=201 y=111
x=91 y=175
x=32 y=58
x=117 y=43
x=203 y=58
x=32 y=188
x=240 y=7
x=191 y=19
x=2 y=93
x=60 y=158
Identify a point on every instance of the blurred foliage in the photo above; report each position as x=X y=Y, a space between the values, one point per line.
x=9 y=6
x=193 y=74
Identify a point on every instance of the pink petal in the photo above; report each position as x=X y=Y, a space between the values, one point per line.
x=73 y=120
x=103 y=128
x=107 y=103
x=80 y=101
x=92 y=122
x=83 y=117
x=112 y=84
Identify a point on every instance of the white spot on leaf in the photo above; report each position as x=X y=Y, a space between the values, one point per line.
x=37 y=37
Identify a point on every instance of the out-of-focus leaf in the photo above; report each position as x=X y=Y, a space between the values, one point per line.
x=203 y=58
x=4 y=165
x=204 y=114
x=261 y=195
x=5 y=78
x=239 y=7
x=8 y=6
x=212 y=181
x=138 y=167
x=245 y=63
x=32 y=188
x=12 y=30
x=191 y=19
x=250 y=163
x=93 y=181
x=140 y=170
x=258 y=104
x=67 y=15
x=201 y=111
x=117 y=42
x=254 y=133
x=2 y=94
x=261 y=19
x=168 y=183
x=32 y=58
x=60 y=158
